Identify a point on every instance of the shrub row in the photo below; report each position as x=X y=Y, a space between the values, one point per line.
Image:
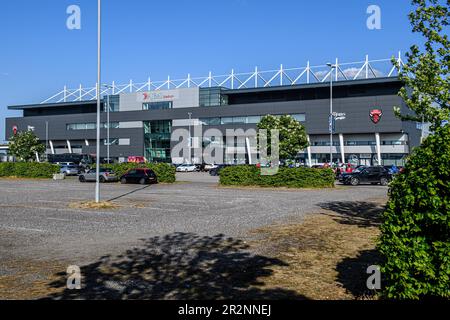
x=28 y=170
x=165 y=172
x=286 y=177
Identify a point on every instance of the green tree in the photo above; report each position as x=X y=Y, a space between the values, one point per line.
x=292 y=138
x=415 y=240
x=425 y=74
x=25 y=145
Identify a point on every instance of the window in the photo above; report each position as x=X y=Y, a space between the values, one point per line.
x=211 y=97
x=112 y=142
x=210 y=121
x=299 y=117
x=243 y=120
x=91 y=126
x=163 y=105
x=227 y=120
x=239 y=119
x=114 y=102
x=253 y=119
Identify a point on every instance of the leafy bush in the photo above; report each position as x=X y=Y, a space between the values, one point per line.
x=415 y=239
x=28 y=170
x=165 y=172
x=286 y=177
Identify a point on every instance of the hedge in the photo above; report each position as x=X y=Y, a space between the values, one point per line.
x=165 y=172
x=286 y=177
x=28 y=170
x=415 y=240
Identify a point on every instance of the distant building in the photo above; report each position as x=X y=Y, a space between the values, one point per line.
x=141 y=122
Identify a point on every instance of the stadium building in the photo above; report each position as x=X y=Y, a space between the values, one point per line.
x=143 y=116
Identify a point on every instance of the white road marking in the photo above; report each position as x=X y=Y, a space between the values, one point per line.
x=23 y=229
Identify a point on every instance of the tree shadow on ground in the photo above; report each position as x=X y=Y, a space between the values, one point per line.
x=352 y=273
x=178 y=266
x=360 y=213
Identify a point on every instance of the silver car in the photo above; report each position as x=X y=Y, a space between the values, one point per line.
x=71 y=170
x=106 y=175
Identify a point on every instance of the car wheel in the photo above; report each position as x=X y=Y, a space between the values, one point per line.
x=143 y=181
x=384 y=181
x=102 y=179
x=82 y=179
x=354 y=182
x=123 y=181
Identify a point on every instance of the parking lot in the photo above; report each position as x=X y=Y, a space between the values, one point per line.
x=37 y=224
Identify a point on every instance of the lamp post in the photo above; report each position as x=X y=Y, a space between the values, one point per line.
x=332 y=66
x=108 y=126
x=190 y=138
x=99 y=40
x=46 y=140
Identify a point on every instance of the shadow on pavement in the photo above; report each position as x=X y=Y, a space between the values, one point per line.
x=128 y=193
x=178 y=266
x=362 y=214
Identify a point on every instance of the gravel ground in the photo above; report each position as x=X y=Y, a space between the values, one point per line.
x=36 y=222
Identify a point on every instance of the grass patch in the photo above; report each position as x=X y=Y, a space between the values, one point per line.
x=328 y=254
x=92 y=205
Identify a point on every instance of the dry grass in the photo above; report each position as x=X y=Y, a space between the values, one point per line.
x=92 y=205
x=29 y=279
x=327 y=258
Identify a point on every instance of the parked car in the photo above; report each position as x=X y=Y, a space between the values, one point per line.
x=216 y=171
x=200 y=168
x=372 y=175
x=209 y=167
x=186 y=168
x=70 y=170
x=142 y=176
x=106 y=175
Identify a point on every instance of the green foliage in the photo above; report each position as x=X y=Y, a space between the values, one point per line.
x=165 y=172
x=293 y=136
x=24 y=146
x=286 y=177
x=425 y=75
x=415 y=237
x=28 y=170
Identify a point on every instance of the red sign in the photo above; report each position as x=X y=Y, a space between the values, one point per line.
x=15 y=130
x=137 y=160
x=375 y=115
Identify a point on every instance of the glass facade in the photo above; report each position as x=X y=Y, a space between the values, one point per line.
x=164 y=105
x=212 y=97
x=91 y=126
x=243 y=120
x=157 y=140
x=114 y=102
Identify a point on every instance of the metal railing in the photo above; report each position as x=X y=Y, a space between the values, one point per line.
x=366 y=69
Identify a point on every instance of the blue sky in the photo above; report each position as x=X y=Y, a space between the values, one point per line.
x=143 y=38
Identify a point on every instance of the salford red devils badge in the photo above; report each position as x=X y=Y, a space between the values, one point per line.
x=375 y=115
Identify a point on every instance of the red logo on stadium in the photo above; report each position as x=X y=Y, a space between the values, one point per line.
x=146 y=95
x=14 y=130
x=375 y=115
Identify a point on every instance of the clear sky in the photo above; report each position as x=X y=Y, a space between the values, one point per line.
x=143 y=38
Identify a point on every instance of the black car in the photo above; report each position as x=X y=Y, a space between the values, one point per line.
x=216 y=171
x=372 y=175
x=142 y=176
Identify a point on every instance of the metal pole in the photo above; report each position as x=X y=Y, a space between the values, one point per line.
x=46 y=140
x=190 y=138
x=97 y=174
x=331 y=116
x=108 y=127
